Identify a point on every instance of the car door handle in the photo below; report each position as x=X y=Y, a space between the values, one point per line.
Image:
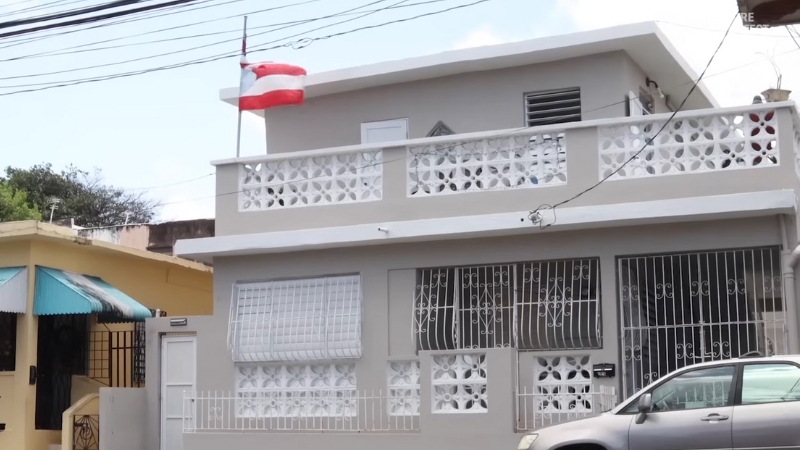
x=714 y=418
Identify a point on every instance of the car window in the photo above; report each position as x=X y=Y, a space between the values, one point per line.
x=703 y=388
x=770 y=383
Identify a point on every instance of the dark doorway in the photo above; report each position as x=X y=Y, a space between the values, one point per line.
x=63 y=342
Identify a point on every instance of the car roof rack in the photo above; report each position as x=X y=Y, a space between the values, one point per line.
x=753 y=354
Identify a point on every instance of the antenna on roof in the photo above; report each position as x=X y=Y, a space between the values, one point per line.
x=54 y=201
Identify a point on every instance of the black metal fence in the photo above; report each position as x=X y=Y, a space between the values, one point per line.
x=86 y=432
x=117 y=358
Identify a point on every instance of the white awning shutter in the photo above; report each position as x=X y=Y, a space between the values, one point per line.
x=296 y=320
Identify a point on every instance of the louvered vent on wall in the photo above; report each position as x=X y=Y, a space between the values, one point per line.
x=555 y=106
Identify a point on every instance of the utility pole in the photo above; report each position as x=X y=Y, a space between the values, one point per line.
x=54 y=201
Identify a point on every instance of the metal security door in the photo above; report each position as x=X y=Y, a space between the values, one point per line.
x=688 y=308
x=178 y=374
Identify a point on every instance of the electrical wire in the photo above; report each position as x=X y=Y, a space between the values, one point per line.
x=96 y=18
x=22 y=2
x=69 y=13
x=70 y=51
x=301 y=43
x=175 y=52
x=716 y=30
x=535 y=215
x=789 y=30
x=151 y=188
x=41 y=7
x=180 y=9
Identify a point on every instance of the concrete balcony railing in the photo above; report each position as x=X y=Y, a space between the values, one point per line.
x=510 y=170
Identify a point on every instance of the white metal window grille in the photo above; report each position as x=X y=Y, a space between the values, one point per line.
x=551 y=305
x=318 y=390
x=296 y=320
x=554 y=106
x=459 y=383
x=708 y=143
x=520 y=161
x=563 y=384
x=403 y=384
x=688 y=308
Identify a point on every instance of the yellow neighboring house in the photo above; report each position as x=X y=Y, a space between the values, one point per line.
x=71 y=315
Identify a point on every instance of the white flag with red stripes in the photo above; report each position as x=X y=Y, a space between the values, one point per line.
x=266 y=85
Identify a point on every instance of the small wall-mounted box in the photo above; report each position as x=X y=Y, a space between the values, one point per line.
x=181 y=322
x=2 y=427
x=604 y=370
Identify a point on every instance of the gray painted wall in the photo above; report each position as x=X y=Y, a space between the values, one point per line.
x=635 y=78
x=122 y=423
x=478 y=101
x=388 y=287
x=582 y=173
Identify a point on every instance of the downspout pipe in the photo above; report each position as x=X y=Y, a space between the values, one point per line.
x=790 y=259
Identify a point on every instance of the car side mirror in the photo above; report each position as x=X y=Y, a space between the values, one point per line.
x=645 y=405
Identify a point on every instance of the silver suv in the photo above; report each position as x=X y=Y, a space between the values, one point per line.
x=746 y=403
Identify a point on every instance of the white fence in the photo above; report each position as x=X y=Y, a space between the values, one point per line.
x=375 y=411
x=536 y=410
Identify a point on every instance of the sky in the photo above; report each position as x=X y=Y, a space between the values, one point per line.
x=161 y=129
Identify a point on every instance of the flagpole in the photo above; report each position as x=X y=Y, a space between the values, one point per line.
x=239 y=124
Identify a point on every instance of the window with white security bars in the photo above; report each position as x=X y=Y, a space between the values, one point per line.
x=296 y=320
x=552 y=305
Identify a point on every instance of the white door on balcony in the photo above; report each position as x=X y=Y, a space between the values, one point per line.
x=384 y=131
x=178 y=374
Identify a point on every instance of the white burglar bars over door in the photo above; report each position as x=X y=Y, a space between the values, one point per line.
x=688 y=308
x=296 y=320
x=551 y=305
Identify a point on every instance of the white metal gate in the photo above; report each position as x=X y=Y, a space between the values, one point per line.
x=688 y=308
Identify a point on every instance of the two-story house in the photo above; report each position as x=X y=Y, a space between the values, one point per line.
x=379 y=282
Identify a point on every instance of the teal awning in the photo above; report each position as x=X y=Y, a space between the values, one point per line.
x=13 y=289
x=60 y=292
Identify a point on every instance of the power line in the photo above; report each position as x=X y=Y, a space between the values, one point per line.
x=789 y=30
x=41 y=7
x=69 y=13
x=301 y=43
x=150 y=188
x=22 y=2
x=175 y=52
x=63 y=51
x=535 y=215
x=716 y=30
x=96 y=18
x=180 y=9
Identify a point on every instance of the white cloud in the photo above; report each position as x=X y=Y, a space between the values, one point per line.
x=480 y=37
x=730 y=84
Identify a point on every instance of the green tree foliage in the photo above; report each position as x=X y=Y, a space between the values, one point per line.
x=81 y=195
x=14 y=205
